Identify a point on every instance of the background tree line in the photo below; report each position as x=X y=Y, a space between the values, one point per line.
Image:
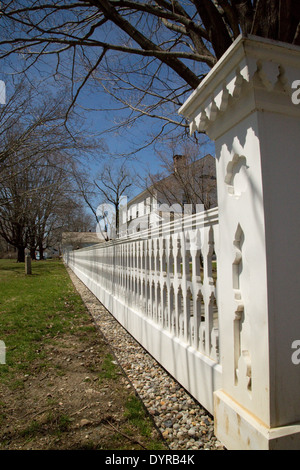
x=146 y=55
x=38 y=159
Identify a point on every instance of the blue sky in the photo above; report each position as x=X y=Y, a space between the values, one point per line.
x=127 y=140
x=101 y=113
x=106 y=113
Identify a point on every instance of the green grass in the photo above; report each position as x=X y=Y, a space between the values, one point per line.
x=109 y=369
x=33 y=309
x=56 y=424
x=36 y=311
x=136 y=415
x=134 y=411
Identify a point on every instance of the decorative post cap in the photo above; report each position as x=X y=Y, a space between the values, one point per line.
x=251 y=63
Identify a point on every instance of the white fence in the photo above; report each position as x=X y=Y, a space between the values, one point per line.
x=157 y=287
x=161 y=285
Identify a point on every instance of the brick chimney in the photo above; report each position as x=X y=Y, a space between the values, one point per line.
x=179 y=162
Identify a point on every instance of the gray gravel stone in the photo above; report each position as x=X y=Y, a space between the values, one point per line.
x=184 y=423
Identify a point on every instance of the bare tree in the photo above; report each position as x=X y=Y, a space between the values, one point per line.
x=113 y=182
x=13 y=222
x=50 y=191
x=38 y=204
x=37 y=156
x=86 y=191
x=147 y=55
x=32 y=128
x=70 y=215
x=186 y=178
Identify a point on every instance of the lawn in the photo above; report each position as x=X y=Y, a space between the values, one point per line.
x=33 y=309
x=61 y=387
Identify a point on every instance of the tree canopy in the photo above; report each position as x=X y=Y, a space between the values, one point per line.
x=38 y=157
x=148 y=55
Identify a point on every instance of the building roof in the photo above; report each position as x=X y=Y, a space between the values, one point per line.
x=199 y=164
x=79 y=238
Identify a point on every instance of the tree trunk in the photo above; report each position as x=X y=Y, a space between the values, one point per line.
x=117 y=219
x=32 y=253
x=21 y=254
x=41 y=251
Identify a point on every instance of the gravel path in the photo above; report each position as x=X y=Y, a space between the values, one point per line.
x=184 y=424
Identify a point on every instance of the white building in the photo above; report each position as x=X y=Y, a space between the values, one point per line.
x=190 y=188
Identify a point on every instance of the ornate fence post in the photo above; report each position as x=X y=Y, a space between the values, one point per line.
x=246 y=106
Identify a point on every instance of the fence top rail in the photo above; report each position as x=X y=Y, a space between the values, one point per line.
x=186 y=223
